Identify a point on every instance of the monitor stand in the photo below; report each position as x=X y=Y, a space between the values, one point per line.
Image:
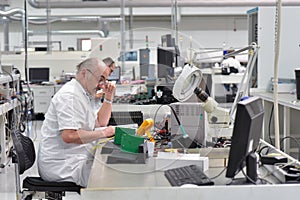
x=251 y=172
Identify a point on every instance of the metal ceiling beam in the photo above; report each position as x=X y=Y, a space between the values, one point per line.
x=156 y=3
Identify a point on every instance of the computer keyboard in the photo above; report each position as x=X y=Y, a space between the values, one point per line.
x=191 y=174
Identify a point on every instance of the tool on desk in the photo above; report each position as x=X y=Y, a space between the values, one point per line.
x=145 y=128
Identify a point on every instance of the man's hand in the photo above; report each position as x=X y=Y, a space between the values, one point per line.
x=109 y=131
x=109 y=90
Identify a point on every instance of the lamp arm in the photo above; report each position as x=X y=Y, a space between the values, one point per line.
x=244 y=85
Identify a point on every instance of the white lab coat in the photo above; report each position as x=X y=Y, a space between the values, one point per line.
x=232 y=62
x=70 y=108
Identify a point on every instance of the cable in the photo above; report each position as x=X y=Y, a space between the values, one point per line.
x=280 y=166
x=223 y=170
x=155 y=114
x=260 y=150
x=290 y=137
x=271 y=116
x=276 y=61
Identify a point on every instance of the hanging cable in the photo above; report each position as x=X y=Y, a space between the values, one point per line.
x=276 y=58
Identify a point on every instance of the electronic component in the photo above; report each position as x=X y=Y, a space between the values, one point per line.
x=272 y=159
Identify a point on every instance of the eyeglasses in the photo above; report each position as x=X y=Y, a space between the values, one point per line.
x=111 y=67
x=101 y=80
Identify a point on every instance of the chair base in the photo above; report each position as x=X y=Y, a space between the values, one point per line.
x=38 y=184
x=29 y=195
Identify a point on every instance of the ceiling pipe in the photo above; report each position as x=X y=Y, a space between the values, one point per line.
x=67 y=32
x=8 y=14
x=88 y=19
x=161 y=3
x=6 y=33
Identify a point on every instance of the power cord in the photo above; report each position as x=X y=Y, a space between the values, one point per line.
x=293 y=138
x=271 y=116
x=223 y=170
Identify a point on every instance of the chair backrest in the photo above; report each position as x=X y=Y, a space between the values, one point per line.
x=24 y=149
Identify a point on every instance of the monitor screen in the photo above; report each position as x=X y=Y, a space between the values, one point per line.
x=247 y=131
x=39 y=75
x=130 y=56
x=115 y=75
x=165 y=60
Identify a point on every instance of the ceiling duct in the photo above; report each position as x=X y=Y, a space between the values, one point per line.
x=68 y=32
x=156 y=3
x=4 y=2
x=84 y=19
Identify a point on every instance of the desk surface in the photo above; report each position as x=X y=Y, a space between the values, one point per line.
x=285 y=99
x=140 y=181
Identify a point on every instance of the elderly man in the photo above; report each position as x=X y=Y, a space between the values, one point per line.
x=110 y=63
x=68 y=131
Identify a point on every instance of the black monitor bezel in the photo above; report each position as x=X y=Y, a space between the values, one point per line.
x=35 y=74
x=246 y=134
x=115 y=75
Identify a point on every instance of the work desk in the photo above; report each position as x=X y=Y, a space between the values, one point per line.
x=285 y=99
x=289 y=113
x=140 y=181
x=218 y=78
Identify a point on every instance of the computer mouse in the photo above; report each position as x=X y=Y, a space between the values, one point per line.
x=189 y=185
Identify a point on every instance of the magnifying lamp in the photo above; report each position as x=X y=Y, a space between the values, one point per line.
x=187 y=81
x=187 y=84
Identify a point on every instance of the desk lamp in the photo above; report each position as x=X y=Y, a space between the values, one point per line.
x=187 y=84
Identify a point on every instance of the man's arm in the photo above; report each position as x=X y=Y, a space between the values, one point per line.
x=82 y=136
x=105 y=111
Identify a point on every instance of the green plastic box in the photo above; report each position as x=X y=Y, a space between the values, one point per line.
x=131 y=143
x=119 y=132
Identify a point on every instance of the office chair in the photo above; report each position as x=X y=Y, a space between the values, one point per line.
x=34 y=187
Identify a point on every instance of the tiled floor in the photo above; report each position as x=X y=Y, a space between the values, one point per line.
x=7 y=174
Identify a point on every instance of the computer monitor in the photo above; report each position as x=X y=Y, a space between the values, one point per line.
x=165 y=60
x=129 y=56
x=39 y=74
x=167 y=40
x=115 y=75
x=247 y=131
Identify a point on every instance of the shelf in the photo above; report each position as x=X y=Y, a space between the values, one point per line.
x=6 y=78
x=4 y=108
x=289 y=112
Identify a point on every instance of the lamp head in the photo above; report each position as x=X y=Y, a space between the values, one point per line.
x=186 y=83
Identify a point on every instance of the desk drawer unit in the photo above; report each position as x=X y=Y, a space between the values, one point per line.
x=42 y=98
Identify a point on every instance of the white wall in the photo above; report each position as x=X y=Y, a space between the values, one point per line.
x=289 y=45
